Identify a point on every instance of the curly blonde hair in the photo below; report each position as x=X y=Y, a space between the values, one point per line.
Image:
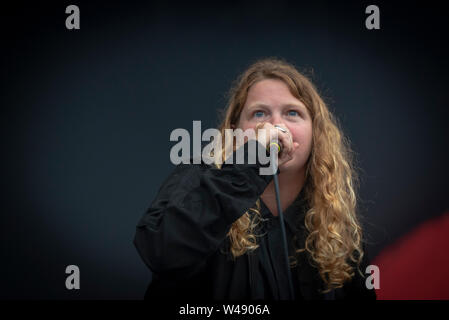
x=334 y=234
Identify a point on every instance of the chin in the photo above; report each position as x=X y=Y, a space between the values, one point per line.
x=291 y=167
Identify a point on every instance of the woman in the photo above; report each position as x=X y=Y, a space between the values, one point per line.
x=213 y=231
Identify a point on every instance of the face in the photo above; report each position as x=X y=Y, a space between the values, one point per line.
x=270 y=100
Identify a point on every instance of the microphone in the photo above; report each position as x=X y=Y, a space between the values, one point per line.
x=277 y=142
x=275 y=149
x=276 y=146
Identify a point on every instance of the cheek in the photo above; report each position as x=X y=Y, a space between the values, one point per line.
x=243 y=124
x=302 y=133
x=303 y=136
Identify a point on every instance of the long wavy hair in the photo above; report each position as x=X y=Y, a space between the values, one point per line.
x=334 y=234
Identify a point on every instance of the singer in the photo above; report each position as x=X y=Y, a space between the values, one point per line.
x=213 y=231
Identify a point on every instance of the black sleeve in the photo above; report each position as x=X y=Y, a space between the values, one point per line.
x=193 y=212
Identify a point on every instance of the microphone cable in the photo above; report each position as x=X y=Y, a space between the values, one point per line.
x=274 y=150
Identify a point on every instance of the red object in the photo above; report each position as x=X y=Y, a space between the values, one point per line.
x=417 y=266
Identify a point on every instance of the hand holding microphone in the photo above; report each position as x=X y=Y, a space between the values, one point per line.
x=278 y=143
x=277 y=135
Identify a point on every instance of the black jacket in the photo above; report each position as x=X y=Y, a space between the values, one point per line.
x=182 y=239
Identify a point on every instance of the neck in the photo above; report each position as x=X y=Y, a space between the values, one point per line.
x=290 y=185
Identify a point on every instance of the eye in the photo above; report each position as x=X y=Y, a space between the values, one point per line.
x=293 y=113
x=259 y=114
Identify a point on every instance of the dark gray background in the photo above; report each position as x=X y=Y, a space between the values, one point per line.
x=86 y=119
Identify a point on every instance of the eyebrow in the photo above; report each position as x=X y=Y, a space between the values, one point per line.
x=263 y=105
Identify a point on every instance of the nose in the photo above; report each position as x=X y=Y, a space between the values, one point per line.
x=276 y=119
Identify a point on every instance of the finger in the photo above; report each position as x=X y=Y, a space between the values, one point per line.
x=259 y=126
x=287 y=142
x=284 y=157
x=285 y=133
